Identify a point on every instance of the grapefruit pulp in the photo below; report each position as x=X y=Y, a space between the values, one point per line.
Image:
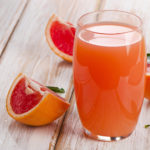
x=60 y=37
x=33 y=104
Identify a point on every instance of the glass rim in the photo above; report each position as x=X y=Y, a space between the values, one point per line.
x=137 y=28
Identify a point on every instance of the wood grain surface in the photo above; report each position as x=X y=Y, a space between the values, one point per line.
x=26 y=51
x=10 y=12
x=72 y=136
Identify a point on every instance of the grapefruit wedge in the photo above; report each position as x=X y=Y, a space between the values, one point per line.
x=60 y=37
x=33 y=104
x=147 y=86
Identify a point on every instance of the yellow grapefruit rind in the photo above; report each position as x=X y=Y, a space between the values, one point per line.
x=47 y=110
x=50 y=42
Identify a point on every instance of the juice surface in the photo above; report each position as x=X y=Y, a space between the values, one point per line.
x=109 y=76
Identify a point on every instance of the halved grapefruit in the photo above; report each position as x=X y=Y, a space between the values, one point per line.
x=60 y=37
x=33 y=104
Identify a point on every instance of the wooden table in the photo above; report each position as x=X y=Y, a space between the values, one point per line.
x=23 y=48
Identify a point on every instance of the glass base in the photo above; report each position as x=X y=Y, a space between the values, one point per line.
x=104 y=138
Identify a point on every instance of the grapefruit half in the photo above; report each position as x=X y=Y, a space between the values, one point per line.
x=33 y=104
x=60 y=37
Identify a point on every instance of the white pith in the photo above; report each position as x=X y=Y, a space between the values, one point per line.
x=35 y=86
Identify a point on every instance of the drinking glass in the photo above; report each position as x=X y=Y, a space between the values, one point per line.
x=109 y=65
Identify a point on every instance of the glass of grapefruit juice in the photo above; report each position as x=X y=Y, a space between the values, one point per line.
x=109 y=65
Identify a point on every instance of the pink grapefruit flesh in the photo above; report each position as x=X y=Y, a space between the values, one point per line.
x=63 y=36
x=22 y=102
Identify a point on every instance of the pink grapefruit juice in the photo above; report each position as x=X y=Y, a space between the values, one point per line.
x=109 y=77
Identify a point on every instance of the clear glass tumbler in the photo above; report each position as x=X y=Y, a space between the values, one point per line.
x=109 y=64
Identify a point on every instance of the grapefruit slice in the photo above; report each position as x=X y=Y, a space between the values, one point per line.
x=147 y=80
x=60 y=37
x=31 y=103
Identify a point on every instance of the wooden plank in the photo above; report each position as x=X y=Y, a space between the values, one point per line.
x=73 y=9
x=72 y=137
x=10 y=12
x=28 y=52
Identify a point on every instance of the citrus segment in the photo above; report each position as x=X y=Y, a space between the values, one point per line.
x=60 y=37
x=31 y=103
